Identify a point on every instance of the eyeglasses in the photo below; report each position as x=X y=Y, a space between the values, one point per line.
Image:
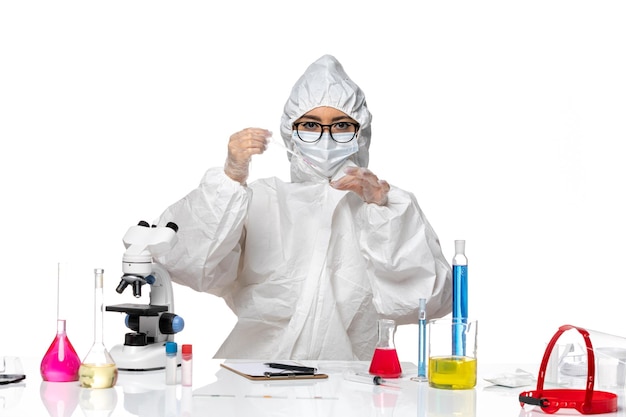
x=341 y=132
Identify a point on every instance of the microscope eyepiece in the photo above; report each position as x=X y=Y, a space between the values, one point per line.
x=143 y=223
x=172 y=226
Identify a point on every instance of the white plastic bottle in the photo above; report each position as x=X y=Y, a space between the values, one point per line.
x=187 y=366
x=171 y=350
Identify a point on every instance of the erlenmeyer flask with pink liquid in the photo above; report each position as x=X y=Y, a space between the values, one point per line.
x=385 y=362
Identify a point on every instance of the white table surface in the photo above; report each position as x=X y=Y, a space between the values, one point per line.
x=219 y=392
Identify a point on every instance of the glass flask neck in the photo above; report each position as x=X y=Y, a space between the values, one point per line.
x=98 y=324
x=386 y=332
x=60 y=327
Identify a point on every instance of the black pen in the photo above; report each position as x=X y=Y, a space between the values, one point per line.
x=290 y=367
x=287 y=374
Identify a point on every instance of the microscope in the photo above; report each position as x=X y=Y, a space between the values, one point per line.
x=155 y=323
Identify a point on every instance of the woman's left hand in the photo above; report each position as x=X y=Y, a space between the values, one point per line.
x=363 y=182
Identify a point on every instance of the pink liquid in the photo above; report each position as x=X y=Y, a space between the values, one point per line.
x=385 y=363
x=60 y=363
x=59 y=399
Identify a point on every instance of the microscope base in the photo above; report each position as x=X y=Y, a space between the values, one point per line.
x=141 y=358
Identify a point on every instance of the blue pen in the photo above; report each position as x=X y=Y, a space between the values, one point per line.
x=459 y=298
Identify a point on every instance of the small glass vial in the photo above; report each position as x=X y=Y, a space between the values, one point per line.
x=98 y=369
x=186 y=366
x=171 y=351
x=385 y=362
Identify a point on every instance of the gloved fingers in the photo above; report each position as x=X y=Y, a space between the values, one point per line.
x=351 y=181
x=364 y=183
x=241 y=146
x=379 y=195
x=356 y=178
x=251 y=141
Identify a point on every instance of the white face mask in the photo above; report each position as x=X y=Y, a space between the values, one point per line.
x=326 y=154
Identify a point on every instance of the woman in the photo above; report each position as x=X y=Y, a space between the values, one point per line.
x=309 y=266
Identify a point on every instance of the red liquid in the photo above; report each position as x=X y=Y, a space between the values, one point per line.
x=385 y=363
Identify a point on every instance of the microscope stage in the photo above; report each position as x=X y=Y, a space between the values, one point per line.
x=138 y=309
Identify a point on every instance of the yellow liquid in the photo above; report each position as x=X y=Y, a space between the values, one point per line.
x=452 y=372
x=97 y=376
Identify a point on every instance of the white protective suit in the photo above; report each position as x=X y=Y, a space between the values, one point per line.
x=306 y=268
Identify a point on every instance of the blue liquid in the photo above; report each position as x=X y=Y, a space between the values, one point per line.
x=421 y=364
x=459 y=308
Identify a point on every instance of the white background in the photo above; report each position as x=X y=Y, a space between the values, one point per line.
x=506 y=119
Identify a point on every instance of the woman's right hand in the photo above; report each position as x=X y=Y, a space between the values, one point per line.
x=241 y=146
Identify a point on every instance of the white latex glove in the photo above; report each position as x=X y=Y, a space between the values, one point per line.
x=363 y=182
x=241 y=146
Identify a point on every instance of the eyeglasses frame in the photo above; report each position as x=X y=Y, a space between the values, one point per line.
x=357 y=126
